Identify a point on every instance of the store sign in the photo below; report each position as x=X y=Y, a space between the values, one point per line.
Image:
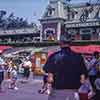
x=70 y=25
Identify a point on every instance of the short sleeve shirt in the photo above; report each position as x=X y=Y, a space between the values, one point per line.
x=66 y=67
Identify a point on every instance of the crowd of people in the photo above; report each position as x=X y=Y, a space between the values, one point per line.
x=67 y=75
x=93 y=68
x=9 y=69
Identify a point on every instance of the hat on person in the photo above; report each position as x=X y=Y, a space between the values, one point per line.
x=65 y=39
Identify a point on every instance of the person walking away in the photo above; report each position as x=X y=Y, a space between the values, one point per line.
x=65 y=69
x=14 y=77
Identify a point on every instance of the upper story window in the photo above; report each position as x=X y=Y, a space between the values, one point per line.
x=71 y=13
x=50 y=11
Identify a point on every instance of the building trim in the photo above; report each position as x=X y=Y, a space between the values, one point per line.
x=86 y=24
x=51 y=18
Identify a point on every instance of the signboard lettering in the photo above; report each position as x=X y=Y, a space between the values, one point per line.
x=68 y=25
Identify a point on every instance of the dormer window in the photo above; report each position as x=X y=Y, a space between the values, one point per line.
x=50 y=11
x=84 y=16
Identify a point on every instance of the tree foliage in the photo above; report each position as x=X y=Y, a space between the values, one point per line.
x=11 y=21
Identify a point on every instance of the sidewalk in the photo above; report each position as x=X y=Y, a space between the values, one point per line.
x=33 y=79
x=27 y=91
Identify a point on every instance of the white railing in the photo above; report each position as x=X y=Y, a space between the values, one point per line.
x=18 y=31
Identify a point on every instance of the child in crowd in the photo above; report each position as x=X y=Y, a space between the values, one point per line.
x=13 y=78
x=46 y=86
x=85 y=90
x=97 y=85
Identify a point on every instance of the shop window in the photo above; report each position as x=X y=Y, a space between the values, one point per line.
x=86 y=36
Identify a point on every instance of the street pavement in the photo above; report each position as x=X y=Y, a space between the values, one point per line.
x=26 y=91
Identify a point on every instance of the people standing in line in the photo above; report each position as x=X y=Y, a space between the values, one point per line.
x=65 y=69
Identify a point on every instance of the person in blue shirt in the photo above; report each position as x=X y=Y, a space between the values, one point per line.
x=65 y=69
x=92 y=68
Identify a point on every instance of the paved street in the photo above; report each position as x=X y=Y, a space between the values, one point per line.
x=27 y=91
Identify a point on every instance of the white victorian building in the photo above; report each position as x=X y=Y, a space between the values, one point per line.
x=82 y=21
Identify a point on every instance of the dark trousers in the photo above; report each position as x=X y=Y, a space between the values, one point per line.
x=1 y=78
x=92 y=80
x=97 y=96
x=26 y=72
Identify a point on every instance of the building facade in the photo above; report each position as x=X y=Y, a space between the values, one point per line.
x=19 y=35
x=82 y=21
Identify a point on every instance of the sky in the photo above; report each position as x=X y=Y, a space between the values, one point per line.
x=29 y=9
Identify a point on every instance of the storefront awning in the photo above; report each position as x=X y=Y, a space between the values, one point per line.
x=89 y=49
x=86 y=49
x=3 y=48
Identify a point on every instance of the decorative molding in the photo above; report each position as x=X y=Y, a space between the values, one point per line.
x=86 y=24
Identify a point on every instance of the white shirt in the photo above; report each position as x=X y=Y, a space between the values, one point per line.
x=14 y=73
x=28 y=63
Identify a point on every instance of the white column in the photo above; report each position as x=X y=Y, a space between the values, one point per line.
x=59 y=9
x=58 y=31
x=41 y=38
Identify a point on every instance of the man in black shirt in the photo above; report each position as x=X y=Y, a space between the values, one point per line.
x=65 y=69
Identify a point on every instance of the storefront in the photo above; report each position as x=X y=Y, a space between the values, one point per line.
x=86 y=31
x=38 y=61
